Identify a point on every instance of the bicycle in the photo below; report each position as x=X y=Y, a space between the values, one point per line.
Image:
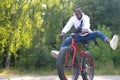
x=72 y=60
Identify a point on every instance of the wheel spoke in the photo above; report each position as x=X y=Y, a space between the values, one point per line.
x=88 y=67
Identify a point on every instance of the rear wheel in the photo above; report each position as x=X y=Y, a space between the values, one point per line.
x=64 y=68
x=87 y=66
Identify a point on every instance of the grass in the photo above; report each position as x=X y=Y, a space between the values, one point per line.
x=47 y=71
x=107 y=71
x=21 y=71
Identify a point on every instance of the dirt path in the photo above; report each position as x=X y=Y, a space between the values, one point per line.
x=53 y=77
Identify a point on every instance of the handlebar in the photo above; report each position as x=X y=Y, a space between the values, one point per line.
x=72 y=34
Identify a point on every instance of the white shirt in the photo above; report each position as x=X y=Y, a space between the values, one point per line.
x=73 y=21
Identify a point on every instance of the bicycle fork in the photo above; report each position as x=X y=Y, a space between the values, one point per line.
x=73 y=59
x=82 y=53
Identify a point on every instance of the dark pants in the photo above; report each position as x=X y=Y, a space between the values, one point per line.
x=79 y=38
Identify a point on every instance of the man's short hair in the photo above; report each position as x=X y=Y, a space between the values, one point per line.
x=76 y=8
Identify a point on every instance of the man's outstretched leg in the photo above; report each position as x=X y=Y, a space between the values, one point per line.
x=113 y=44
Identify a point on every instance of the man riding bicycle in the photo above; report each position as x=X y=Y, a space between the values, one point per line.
x=81 y=22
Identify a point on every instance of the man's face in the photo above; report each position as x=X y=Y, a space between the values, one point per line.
x=78 y=13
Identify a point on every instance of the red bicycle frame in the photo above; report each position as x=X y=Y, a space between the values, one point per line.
x=76 y=49
x=75 y=58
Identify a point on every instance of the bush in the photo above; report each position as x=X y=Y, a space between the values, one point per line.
x=103 y=54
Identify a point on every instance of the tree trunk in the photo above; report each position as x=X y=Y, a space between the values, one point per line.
x=7 y=65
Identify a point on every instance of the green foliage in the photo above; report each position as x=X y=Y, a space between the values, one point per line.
x=116 y=56
x=29 y=29
x=55 y=17
x=103 y=54
x=16 y=26
x=102 y=12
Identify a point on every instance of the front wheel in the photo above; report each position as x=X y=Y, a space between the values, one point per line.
x=87 y=66
x=67 y=71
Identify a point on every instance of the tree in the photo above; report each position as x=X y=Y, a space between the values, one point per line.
x=102 y=12
x=15 y=23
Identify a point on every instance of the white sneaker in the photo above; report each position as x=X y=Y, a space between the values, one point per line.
x=54 y=53
x=114 y=42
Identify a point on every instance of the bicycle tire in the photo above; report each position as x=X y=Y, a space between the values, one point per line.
x=60 y=65
x=88 y=66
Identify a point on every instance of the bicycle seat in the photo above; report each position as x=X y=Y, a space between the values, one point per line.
x=87 y=42
x=84 y=42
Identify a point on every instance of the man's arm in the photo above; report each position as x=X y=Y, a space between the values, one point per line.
x=68 y=26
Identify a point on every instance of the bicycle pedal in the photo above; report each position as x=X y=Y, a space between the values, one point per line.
x=68 y=66
x=84 y=72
